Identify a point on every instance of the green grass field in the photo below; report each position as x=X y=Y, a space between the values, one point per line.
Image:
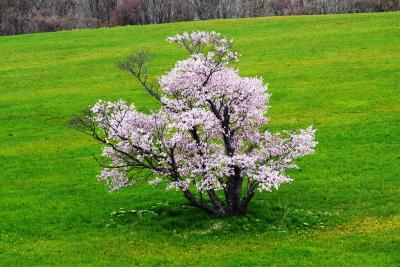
x=339 y=73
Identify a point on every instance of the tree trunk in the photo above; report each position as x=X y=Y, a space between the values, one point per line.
x=234 y=205
x=234 y=188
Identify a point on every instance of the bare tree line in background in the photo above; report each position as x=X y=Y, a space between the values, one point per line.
x=25 y=16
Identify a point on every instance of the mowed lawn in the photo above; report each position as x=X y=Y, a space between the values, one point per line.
x=339 y=73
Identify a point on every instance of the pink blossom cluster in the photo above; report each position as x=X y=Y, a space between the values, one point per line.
x=207 y=131
x=209 y=43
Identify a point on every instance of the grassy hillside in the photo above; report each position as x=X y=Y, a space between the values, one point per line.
x=339 y=73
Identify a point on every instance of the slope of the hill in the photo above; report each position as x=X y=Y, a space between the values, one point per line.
x=339 y=73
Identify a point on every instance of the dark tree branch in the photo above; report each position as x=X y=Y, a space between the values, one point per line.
x=249 y=196
x=136 y=64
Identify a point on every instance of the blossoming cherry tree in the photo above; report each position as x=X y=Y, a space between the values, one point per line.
x=206 y=139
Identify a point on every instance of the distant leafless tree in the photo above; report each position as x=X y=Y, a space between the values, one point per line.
x=102 y=9
x=21 y=16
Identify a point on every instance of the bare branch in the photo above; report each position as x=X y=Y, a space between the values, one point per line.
x=136 y=64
